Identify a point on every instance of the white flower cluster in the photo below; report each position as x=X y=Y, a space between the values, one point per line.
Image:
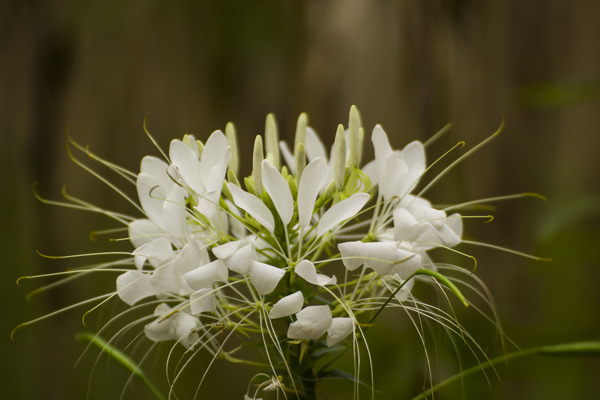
x=219 y=253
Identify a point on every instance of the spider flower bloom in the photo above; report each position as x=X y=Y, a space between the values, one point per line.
x=292 y=258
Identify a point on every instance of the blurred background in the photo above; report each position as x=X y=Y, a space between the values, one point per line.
x=101 y=67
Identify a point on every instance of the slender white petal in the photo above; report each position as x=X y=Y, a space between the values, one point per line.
x=142 y=231
x=253 y=206
x=370 y=169
x=382 y=148
x=339 y=329
x=151 y=197
x=312 y=322
x=180 y=326
x=157 y=168
x=241 y=261
x=155 y=252
x=287 y=156
x=414 y=155
x=287 y=305
x=201 y=301
x=353 y=254
x=174 y=211
x=307 y=270
x=132 y=286
x=406 y=227
x=225 y=251
x=311 y=183
x=265 y=277
x=313 y=145
x=188 y=164
x=393 y=176
x=279 y=191
x=341 y=211
x=205 y=275
x=216 y=154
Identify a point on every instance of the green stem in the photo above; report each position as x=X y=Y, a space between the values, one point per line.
x=569 y=349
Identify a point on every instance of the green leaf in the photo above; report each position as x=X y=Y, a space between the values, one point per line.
x=577 y=349
x=119 y=357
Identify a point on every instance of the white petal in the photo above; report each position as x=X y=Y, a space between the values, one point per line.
x=216 y=154
x=392 y=176
x=307 y=270
x=454 y=222
x=265 y=277
x=382 y=256
x=279 y=191
x=180 y=326
x=205 y=275
x=406 y=227
x=382 y=148
x=288 y=305
x=313 y=145
x=151 y=197
x=287 y=156
x=311 y=182
x=155 y=252
x=133 y=286
x=404 y=293
x=157 y=168
x=166 y=279
x=142 y=231
x=241 y=261
x=312 y=322
x=339 y=329
x=253 y=206
x=187 y=163
x=370 y=169
x=353 y=254
x=201 y=301
x=341 y=211
x=225 y=251
x=414 y=155
x=174 y=213
x=412 y=262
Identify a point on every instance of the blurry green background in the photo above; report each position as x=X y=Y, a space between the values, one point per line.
x=100 y=67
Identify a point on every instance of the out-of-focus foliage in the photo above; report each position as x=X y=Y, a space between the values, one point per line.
x=101 y=67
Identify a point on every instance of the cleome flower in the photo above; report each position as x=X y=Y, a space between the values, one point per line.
x=293 y=259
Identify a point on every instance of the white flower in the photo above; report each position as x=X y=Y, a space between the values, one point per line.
x=312 y=322
x=179 y=326
x=308 y=272
x=265 y=277
x=287 y=305
x=407 y=165
x=338 y=330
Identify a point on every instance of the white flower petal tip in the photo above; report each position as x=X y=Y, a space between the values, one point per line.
x=202 y=301
x=265 y=277
x=155 y=252
x=312 y=322
x=279 y=191
x=339 y=329
x=307 y=270
x=287 y=305
x=311 y=183
x=237 y=256
x=205 y=275
x=142 y=231
x=180 y=326
x=132 y=286
x=253 y=206
x=353 y=254
x=341 y=211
